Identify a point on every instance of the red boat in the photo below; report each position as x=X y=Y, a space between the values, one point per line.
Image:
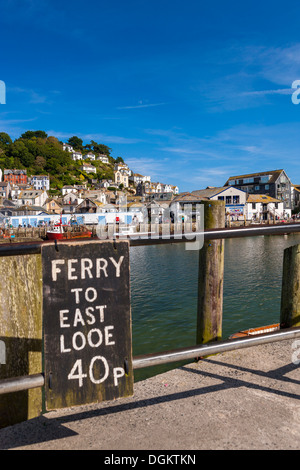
x=57 y=232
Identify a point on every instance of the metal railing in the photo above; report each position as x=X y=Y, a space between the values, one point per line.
x=37 y=380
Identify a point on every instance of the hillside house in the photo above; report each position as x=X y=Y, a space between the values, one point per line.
x=136 y=178
x=52 y=206
x=121 y=177
x=88 y=168
x=76 y=155
x=103 y=158
x=68 y=189
x=40 y=182
x=89 y=206
x=89 y=156
x=15 y=176
x=72 y=198
x=95 y=194
x=32 y=197
x=5 y=189
x=68 y=148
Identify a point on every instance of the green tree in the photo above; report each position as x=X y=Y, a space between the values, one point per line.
x=30 y=134
x=76 y=142
x=19 y=150
x=100 y=148
x=5 y=140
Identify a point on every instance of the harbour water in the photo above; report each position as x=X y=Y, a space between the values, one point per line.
x=164 y=292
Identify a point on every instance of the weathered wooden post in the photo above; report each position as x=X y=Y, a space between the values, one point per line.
x=20 y=333
x=290 y=294
x=210 y=277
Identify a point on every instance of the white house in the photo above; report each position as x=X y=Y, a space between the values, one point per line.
x=76 y=155
x=72 y=198
x=68 y=148
x=103 y=158
x=88 y=168
x=260 y=207
x=136 y=178
x=234 y=198
x=105 y=183
x=32 y=197
x=95 y=195
x=89 y=156
x=68 y=189
x=167 y=188
x=122 y=167
x=40 y=182
x=185 y=206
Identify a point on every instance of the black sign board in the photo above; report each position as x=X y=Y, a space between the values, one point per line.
x=87 y=322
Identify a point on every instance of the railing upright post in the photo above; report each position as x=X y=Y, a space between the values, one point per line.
x=210 y=277
x=290 y=294
x=21 y=333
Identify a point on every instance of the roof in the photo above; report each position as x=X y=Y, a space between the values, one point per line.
x=274 y=175
x=188 y=197
x=31 y=193
x=261 y=198
x=209 y=192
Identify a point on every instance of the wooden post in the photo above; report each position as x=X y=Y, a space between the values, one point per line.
x=210 y=277
x=290 y=294
x=21 y=333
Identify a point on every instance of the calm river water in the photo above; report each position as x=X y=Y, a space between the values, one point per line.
x=164 y=292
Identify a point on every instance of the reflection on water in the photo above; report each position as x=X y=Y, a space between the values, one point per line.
x=164 y=290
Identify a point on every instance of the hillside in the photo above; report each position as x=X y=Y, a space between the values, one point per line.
x=39 y=153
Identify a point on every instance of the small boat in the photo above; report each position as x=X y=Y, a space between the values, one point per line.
x=260 y=330
x=57 y=232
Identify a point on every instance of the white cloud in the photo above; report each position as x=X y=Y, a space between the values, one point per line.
x=138 y=106
x=33 y=96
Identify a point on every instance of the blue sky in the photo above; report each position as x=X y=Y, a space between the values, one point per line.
x=188 y=92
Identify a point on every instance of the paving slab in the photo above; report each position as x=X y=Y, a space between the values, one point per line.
x=246 y=399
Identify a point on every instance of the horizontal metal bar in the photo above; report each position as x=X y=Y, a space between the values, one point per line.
x=27 y=382
x=15 y=248
x=217 y=347
x=216 y=234
x=17 y=384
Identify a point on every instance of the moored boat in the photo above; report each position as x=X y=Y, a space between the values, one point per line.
x=260 y=330
x=58 y=232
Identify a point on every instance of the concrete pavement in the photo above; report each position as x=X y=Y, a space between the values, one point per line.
x=243 y=399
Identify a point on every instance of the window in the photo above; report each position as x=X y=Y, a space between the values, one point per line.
x=228 y=199
x=236 y=199
x=257 y=188
x=253 y=205
x=267 y=186
x=220 y=198
x=264 y=179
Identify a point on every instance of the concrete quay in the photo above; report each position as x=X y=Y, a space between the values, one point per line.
x=246 y=399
